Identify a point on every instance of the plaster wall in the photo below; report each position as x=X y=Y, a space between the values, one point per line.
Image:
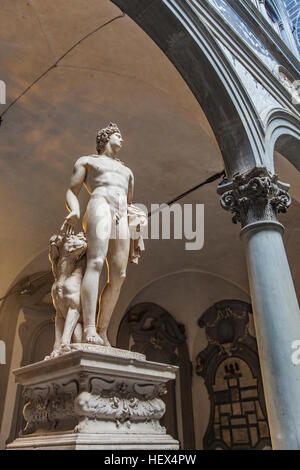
x=8 y=395
x=186 y=295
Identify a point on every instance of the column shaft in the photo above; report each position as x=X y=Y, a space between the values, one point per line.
x=277 y=324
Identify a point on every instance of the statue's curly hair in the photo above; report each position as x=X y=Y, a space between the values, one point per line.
x=103 y=136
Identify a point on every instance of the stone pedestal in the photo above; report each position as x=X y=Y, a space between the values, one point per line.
x=101 y=399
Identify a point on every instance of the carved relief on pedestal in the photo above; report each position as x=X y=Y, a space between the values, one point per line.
x=49 y=407
x=255 y=196
x=123 y=403
x=91 y=404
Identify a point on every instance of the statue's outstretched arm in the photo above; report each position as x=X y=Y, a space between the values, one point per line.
x=77 y=180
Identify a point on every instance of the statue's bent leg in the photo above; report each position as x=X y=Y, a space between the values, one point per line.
x=70 y=323
x=117 y=259
x=77 y=334
x=97 y=216
x=59 y=328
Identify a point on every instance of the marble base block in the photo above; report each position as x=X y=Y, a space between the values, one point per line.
x=103 y=399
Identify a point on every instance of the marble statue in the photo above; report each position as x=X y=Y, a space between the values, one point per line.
x=77 y=399
x=112 y=233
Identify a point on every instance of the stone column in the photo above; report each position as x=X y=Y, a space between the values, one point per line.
x=255 y=198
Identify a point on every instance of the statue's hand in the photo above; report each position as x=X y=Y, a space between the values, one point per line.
x=68 y=227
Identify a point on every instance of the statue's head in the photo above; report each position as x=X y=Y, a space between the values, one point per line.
x=67 y=245
x=74 y=245
x=110 y=134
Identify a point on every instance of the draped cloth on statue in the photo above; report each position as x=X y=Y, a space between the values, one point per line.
x=137 y=220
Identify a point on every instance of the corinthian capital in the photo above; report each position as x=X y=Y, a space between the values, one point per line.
x=255 y=196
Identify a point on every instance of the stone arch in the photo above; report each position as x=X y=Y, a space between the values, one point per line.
x=273 y=8
x=283 y=135
x=41 y=340
x=192 y=49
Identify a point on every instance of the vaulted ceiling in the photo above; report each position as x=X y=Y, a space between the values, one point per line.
x=117 y=74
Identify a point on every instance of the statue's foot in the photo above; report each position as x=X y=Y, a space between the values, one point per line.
x=103 y=336
x=91 y=336
x=55 y=353
x=65 y=347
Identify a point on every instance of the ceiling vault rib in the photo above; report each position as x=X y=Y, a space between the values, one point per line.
x=42 y=29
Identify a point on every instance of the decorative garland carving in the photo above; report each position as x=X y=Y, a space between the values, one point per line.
x=122 y=402
x=84 y=404
x=122 y=408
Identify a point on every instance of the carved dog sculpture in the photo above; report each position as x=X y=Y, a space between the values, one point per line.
x=68 y=259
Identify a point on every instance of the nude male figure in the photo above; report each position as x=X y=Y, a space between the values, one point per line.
x=110 y=184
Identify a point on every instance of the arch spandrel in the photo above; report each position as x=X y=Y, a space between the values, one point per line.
x=193 y=51
x=241 y=130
